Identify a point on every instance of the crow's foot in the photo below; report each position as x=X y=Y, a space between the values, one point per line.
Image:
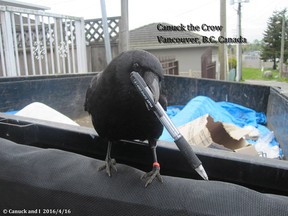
x=153 y=174
x=108 y=166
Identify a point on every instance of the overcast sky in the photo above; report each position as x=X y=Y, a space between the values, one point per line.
x=141 y=12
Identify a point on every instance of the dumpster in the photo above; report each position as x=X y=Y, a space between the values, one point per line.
x=66 y=94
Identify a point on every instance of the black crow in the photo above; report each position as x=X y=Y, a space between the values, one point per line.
x=118 y=111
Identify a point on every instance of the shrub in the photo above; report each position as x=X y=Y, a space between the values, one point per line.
x=232 y=62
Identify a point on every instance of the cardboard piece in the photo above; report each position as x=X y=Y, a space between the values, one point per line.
x=204 y=132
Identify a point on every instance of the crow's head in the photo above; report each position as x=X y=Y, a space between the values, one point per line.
x=147 y=65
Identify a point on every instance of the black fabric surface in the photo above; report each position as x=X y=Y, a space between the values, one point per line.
x=35 y=178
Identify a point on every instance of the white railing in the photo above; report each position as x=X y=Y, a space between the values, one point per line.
x=35 y=42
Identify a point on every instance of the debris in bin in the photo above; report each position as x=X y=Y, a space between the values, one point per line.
x=224 y=112
x=205 y=132
x=265 y=149
x=253 y=134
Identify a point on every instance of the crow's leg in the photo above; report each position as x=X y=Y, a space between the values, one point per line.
x=110 y=163
x=156 y=166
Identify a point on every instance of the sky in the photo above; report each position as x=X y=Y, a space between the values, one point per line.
x=255 y=13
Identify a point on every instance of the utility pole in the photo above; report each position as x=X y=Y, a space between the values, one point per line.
x=222 y=47
x=106 y=32
x=282 y=46
x=124 y=27
x=238 y=45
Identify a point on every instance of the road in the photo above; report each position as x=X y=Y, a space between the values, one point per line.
x=282 y=85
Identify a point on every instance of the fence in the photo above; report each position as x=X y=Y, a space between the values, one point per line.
x=208 y=68
x=94 y=33
x=34 y=42
x=94 y=29
x=95 y=38
x=170 y=65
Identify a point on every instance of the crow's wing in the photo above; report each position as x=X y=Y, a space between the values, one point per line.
x=90 y=92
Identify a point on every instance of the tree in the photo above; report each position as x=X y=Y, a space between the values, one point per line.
x=256 y=45
x=272 y=38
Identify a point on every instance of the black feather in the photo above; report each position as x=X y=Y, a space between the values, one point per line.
x=117 y=109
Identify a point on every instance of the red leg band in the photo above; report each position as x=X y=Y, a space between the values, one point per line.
x=156 y=164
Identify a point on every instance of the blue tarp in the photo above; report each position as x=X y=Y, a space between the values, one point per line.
x=11 y=112
x=220 y=111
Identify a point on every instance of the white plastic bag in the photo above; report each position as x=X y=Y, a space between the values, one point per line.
x=264 y=148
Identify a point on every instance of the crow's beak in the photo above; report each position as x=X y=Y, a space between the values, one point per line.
x=152 y=82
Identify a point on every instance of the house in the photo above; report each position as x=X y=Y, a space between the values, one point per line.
x=166 y=40
x=14 y=3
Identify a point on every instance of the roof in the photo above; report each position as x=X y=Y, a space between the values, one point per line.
x=20 y=4
x=145 y=37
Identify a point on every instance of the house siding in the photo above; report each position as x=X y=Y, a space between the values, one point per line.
x=189 y=58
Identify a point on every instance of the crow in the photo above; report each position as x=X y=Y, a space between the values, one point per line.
x=118 y=111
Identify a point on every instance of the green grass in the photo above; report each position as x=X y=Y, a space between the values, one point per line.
x=256 y=74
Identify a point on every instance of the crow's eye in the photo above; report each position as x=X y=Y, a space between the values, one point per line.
x=136 y=67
